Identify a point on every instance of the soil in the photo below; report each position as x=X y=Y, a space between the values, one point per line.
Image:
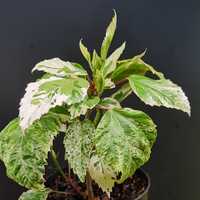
x=72 y=189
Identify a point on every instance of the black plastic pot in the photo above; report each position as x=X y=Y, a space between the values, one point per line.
x=140 y=172
x=144 y=195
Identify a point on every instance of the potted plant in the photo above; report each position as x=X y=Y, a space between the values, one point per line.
x=105 y=143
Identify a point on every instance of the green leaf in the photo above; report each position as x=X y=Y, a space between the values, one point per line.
x=85 y=52
x=102 y=174
x=111 y=61
x=109 y=103
x=159 y=93
x=135 y=65
x=122 y=93
x=78 y=143
x=109 y=36
x=138 y=133
x=58 y=67
x=81 y=108
x=25 y=155
x=48 y=93
x=35 y=195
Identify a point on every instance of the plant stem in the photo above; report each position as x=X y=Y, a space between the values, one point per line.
x=89 y=187
x=97 y=117
x=67 y=179
x=62 y=193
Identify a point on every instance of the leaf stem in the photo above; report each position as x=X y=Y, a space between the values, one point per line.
x=89 y=187
x=56 y=163
x=97 y=117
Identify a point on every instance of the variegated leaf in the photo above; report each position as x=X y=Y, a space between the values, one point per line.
x=81 y=108
x=58 y=67
x=111 y=61
x=135 y=65
x=123 y=141
x=25 y=155
x=35 y=195
x=78 y=142
x=48 y=93
x=101 y=174
x=159 y=92
x=109 y=36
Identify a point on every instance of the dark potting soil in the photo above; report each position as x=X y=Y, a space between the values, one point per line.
x=129 y=190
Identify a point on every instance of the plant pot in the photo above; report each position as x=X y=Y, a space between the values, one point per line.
x=142 y=190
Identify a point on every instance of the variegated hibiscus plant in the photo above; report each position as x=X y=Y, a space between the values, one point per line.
x=104 y=142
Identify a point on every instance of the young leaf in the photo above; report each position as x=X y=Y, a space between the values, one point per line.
x=85 y=52
x=159 y=93
x=35 y=195
x=111 y=61
x=138 y=133
x=58 y=67
x=135 y=65
x=48 y=93
x=24 y=155
x=109 y=36
x=101 y=174
x=78 y=142
x=81 y=108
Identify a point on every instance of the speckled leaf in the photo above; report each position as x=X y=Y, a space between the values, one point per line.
x=109 y=36
x=159 y=92
x=123 y=141
x=24 y=155
x=135 y=65
x=48 y=93
x=56 y=66
x=35 y=195
x=78 y=142
x=81 y=108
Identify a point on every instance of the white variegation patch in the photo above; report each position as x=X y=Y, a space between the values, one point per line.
x=37 y=102
x=58 y=67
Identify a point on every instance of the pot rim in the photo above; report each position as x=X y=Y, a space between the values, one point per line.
x=148 y=184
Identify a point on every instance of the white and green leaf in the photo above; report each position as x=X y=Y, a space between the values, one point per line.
x=35 y=195
x=85 y=52
x=81 y=108
x=111 y=62
x=48 y=93
x=25 y=155
x=138 y=133
x=161 y=92
x=58 y=67
x=135 y=65
x=78 y=143
x=109 y=36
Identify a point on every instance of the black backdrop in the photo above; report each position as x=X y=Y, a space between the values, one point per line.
x=170 y=30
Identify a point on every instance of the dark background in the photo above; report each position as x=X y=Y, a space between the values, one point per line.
x=33 y=30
